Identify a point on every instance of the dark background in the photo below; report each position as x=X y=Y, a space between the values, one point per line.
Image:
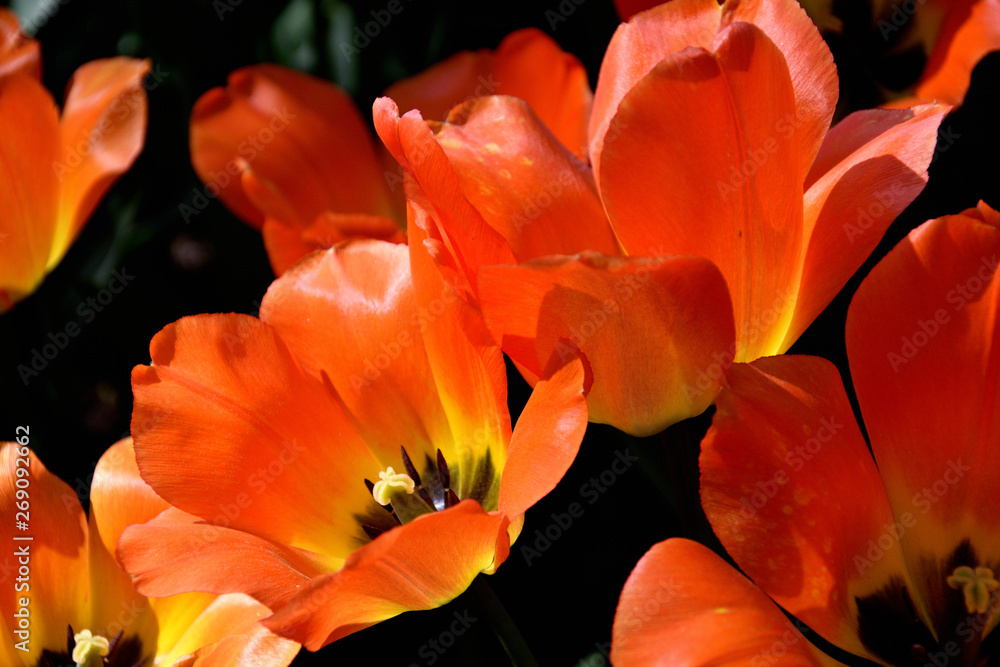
x=564 y=600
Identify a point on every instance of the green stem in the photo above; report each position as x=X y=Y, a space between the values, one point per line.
x=503 y=625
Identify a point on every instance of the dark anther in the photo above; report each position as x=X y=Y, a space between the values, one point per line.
x=444 y=475
x=371 y=486
x=372 y=531
x=113 y=644
x=410 y=470
x=451 y=499
x=70 y=639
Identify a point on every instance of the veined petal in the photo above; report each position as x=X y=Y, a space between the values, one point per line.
x=28 y=186
x=792 y=492
x=420 y=565
x=226 y=628
x=294 y=131
x=526 y=185
x=924 y=346
x=18 y=52
x=657 y=332
x=649 y=37
x=468 y=239
x=225 y=401
x=871 y=166
x=102 y=131
x=118 y=498
x=177 y=552
x=683 y=605
x=731 y=150
x=349 y=314
x=548 y=434
x=469 y=373
x=528 y=64
x=287 y=244
x=970 y=30
x=58 y=590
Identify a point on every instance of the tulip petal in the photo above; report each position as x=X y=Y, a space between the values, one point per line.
x=924 y=348
x=528 y=64
x=255 y=645
x=265 y=447
x=650 y=37
x=18 y=52
x=118 y=498
x=525 y=184
x=683 y=605
x=56 y=554
x=871 y=166
x=28 y=186
x=350 y=314
x=793 y=494
x=294 y=131
x=102 y=131
x=548 y=434
x=177 y=552
x=286 y=244
x=735 y=197
x=470 y=241
x=420 y=565
x=970 y=30
x=656 y=332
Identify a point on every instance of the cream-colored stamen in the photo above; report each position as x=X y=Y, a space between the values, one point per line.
x=90 y=649
x=389 y=480
x=975 y=585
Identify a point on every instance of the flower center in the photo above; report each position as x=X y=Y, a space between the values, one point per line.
x=85 y=649
x=406 y=496
x=975 y=585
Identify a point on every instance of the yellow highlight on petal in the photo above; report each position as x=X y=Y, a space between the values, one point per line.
x=90 y=649
x=976 y=586
x=389 y=480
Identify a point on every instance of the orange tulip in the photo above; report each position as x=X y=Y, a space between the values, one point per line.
x=56 y=170
x=711 y=151
x=348 y=456
x=892 y=558
x=289 y=154
x=65 y=599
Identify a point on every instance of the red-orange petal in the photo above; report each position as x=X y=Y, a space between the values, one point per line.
x=468 y=239
x=924 y=346
x=639 y=46
x=528 y=64
x=548 y=434
x=102 y=131
x=255 y=646
x=54 y=579
x=683 y=605
x=420 y=565
x=28 y=187
x=871 y=166
x=725 y=179
x=793 y=494
x=526 y=185
x=178 y=553
x=349 y=314
x=657 y=332
x=296 y=133
x=970 y=30
x=264 y=446
x=287 y=244
x=18 y=52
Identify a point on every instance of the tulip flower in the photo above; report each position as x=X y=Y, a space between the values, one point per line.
x=710 y=151
x=57 y=169
x=290 y=154
x=348 y=456
x=67 y=602
x=889 y=554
